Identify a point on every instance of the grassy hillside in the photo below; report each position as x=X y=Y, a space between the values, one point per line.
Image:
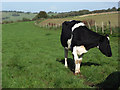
x=33 y=58
x=14 y=16
x=98 y=18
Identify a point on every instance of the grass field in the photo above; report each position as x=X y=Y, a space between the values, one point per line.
x=8 y=16
x=98 y=18
x=33 y=58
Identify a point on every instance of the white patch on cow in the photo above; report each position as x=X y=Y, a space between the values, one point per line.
x=66 y=55
x=77 y=25
x=79 y=60
x=97 y=46
x=108 y=38
x=76 y=68
x=75 y=53
x=80 y=50
x=69 y=42
x=66 y=63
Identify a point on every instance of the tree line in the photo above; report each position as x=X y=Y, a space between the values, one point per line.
x=43 y=14
x=83 y=12
x=18 y=12
x=50 y=14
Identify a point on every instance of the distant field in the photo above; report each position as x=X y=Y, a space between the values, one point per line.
x=14 y=16
x=98 y=18
x=32 y=57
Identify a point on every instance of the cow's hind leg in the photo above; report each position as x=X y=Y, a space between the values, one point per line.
x=66 y=55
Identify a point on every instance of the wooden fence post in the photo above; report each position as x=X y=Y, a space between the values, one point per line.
x=46 y=25
x=89 y=25
x=96 y=26
x=102 y=27
x=110 y=28
x=59 y=25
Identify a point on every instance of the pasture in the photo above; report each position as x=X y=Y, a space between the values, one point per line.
x=32 y=57
x=99 y=18
x=15 y=16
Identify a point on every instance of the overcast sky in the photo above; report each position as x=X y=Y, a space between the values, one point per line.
x=37 y=6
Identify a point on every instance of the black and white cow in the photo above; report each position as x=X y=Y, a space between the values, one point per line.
x=75 y=36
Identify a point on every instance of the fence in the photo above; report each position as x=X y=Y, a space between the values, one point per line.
x=104 y=28
x=49 y=25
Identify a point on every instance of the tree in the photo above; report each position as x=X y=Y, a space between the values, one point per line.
x=108 y=9
x=41 y=14
x=114 y=9
x=118 y=9
x=50 y=12
x=25 y=19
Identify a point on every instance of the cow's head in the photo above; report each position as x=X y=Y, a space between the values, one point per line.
x=104 y=46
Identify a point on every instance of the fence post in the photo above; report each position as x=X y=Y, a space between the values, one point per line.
x=102 y=27
x=89 y=25
x=46 y=26
x=110 y=28
x=59 y=25
x=96 y=26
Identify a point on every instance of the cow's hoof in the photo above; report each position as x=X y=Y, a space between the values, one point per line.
x=76 y=73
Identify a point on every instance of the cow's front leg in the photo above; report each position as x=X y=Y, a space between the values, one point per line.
x=66 y=55
x=77 y=65
x=77 y=61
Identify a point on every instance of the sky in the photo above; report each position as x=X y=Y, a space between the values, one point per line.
x=55 y=6
x=60 y=0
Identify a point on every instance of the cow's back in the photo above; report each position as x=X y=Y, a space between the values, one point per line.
x=66 y=31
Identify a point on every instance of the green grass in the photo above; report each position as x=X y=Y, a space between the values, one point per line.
x=31 y=55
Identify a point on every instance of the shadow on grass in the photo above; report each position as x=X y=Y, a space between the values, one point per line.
x=112 y=81
x=71 y=64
